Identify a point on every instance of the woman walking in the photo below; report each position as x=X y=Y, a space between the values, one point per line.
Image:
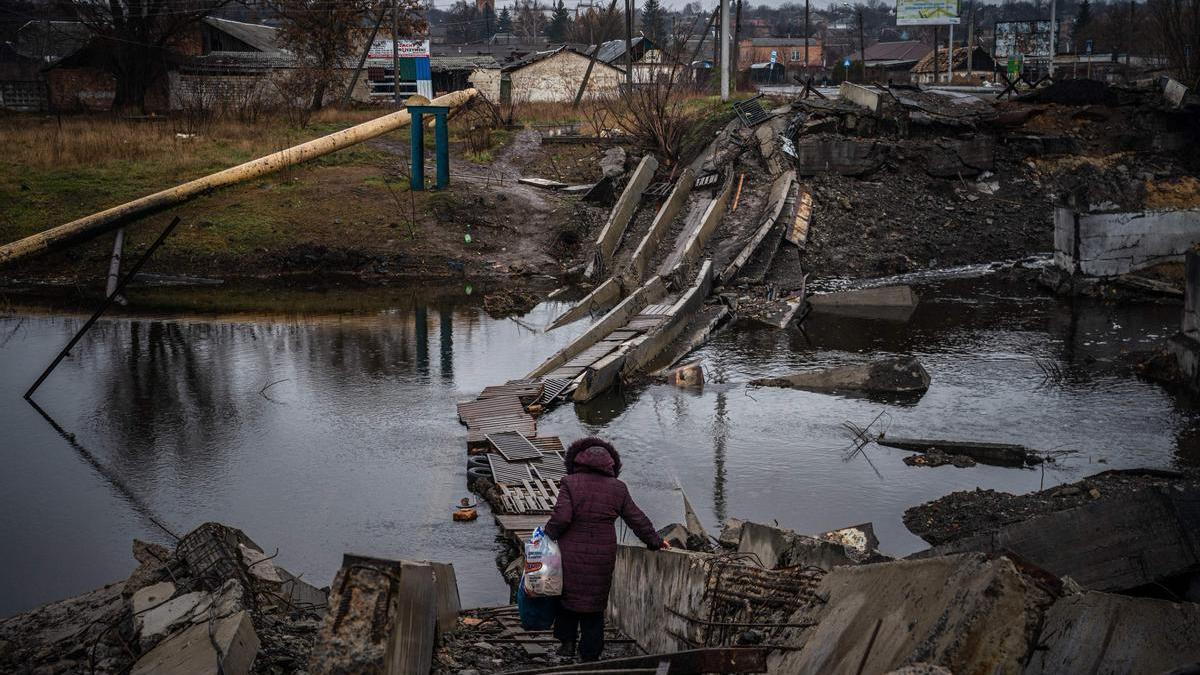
x=590 y=500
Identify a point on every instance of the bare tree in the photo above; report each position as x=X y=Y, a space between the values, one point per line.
x=596 y=25
x=134 y=36
x=530 y=21
x=324 y=36
x=1176 y=25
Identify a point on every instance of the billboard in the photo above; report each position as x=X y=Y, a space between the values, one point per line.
x=1030 y=39
x=409 y=49
x=926 y=12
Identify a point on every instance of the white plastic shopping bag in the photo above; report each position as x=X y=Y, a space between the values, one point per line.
x=543 y=566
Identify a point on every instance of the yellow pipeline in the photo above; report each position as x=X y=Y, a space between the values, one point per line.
x=98 y=223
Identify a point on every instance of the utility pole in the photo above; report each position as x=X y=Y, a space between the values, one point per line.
x=950 y=57
x=725 y=35
x=628 y=43
x=395 y=53
x=806 y=34
x=1053 y=36
x=362 y=61
x=862 y=50
x=737 y=41
x=971 y=42
x=1129 y=39
x=936 y=37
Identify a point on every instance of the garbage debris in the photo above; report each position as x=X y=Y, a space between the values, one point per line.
x=886 y=376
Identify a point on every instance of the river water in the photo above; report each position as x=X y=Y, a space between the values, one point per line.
x=323 y=434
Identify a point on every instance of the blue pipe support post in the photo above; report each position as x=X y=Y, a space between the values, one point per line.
x=441 y=144
x=417 y=181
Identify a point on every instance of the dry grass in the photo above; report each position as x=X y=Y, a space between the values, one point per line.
x=45 y=142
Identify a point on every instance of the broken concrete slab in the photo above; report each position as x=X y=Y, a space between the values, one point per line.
x=886 y=376
x=858 y=540
x=797 y=232
x=1106 y=545
x=660 y=225
x=845 y=156
x=1110 y=244
x=151 y=596
x=154 y=623
x=1104 y=633
x=687 y=376
x=225 y=645
x=781 y=189
x=602 y=193
x=384 y=617
x=777 y=547
x=731 y=532
x=773 y=313
x=651 y=589
x=889 y=303
x=543 y=183
x=967 y=613
x=995 y=454
x=614 y=229
x=600 y=299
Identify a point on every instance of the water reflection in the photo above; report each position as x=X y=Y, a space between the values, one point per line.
x=355 y=446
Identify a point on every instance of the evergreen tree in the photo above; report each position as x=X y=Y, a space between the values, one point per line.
x=560 y=22
x=1084 y=16
x=504 y=21
x=654 y=22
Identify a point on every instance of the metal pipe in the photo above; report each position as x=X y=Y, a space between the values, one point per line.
x=98 y=223
x=108 y=301
x=114 y=265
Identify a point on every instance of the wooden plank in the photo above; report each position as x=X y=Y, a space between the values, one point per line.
x=416 y=617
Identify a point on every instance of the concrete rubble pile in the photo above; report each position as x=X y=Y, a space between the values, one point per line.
x=1097 y=576
x=904 y=179
x=215 y=604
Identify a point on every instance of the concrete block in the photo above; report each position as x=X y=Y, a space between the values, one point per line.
x=731 y=532
x=1174 y=91
x=194 y=651
x=965 y=613
x=868 y=98
x=1103 y=633
x=885 y=376
x=1191 y=296
x=1111 y=244
x=890 y=303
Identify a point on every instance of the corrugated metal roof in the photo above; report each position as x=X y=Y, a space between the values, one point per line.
x=439 y=64
x=783 y=42
x=263 y=38
x=911 y=50
x=613 y=50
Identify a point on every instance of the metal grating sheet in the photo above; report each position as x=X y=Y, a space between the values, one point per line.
x=508 y=473
x=708 y=180
x=658 y=190
x=493 y=407
x=552 y=388
x=513 y=446
x=518 y=388
x=751 y=112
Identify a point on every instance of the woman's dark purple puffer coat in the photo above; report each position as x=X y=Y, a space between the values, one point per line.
x=590 y=500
